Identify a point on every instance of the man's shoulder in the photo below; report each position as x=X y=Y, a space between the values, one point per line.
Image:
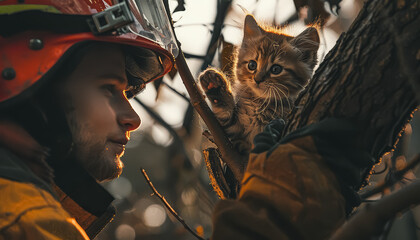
x=21 y=191
x=28 y=209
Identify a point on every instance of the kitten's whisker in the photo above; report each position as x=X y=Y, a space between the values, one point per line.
x=286 y=88
x=288 y=101
x=262 y=95
x=275 y=103
x=267 y=99
x=281 y=101
x=299 y=85
x=261 y=106
x=259 y=97
x=275 y=98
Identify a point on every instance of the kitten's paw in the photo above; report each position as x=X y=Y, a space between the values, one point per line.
x=211 y=79
x=216 y=88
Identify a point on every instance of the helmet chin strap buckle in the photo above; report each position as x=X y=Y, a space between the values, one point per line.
x=111 y=19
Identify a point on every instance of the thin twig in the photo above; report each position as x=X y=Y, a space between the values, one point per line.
x=222 y=9
x=168 y=206
x=159 y=120
x=176 y=92
x=391 y=181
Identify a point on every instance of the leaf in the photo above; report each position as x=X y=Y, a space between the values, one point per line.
x=316 y=12
x=172 y=73
x=180 y=7
x=215 y=171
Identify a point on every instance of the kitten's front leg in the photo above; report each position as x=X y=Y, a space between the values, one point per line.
x=217 y=89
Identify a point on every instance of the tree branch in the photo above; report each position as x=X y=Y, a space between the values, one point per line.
x=370 y=220
x=233 y=159
x=230 y=156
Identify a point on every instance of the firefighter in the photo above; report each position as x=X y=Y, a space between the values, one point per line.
x=68 y=69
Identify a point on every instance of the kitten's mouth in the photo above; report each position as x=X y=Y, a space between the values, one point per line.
x=261 y=91
x=260 y=85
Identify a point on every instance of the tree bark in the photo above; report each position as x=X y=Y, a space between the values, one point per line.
x=368 y=77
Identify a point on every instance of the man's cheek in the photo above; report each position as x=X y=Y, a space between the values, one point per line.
x=85 y=101
x=103 y=114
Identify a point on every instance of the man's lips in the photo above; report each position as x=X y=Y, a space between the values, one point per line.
x=120 y=144
x=122 y=141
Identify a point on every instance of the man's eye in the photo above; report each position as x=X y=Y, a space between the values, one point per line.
x=109 y=89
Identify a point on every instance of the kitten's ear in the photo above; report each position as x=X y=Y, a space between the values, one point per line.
x=251 y=27
x=308 y=43
x=308 y=39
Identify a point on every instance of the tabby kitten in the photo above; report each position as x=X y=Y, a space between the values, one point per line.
x=270 y=69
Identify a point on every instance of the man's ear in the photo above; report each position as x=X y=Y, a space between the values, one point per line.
x=307 y=43
x=251 y=27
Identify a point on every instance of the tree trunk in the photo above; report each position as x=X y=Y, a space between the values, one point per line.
x=368 y=77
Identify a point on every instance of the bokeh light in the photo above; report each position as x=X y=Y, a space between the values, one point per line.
x=154 y=215
x=189 y=196
x=120 y=188
x=125 y=232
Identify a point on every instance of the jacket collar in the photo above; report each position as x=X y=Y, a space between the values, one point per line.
x=19 y=142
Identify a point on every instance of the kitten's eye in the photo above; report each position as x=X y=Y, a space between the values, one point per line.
x=252 y=65
x=276 y=69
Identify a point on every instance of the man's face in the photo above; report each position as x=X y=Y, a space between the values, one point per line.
x=98 y=112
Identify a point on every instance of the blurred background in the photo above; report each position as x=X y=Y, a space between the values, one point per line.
x=168 y=144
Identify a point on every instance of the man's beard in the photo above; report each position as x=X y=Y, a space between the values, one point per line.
x=92 y=153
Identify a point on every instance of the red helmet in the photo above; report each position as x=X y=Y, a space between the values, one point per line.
x=36 y=35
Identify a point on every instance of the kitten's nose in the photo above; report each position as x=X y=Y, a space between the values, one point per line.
x=259 y=78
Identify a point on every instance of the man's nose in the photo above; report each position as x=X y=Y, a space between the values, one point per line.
x=128 y=118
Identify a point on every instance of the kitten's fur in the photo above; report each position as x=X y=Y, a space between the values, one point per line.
x=258 y=96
